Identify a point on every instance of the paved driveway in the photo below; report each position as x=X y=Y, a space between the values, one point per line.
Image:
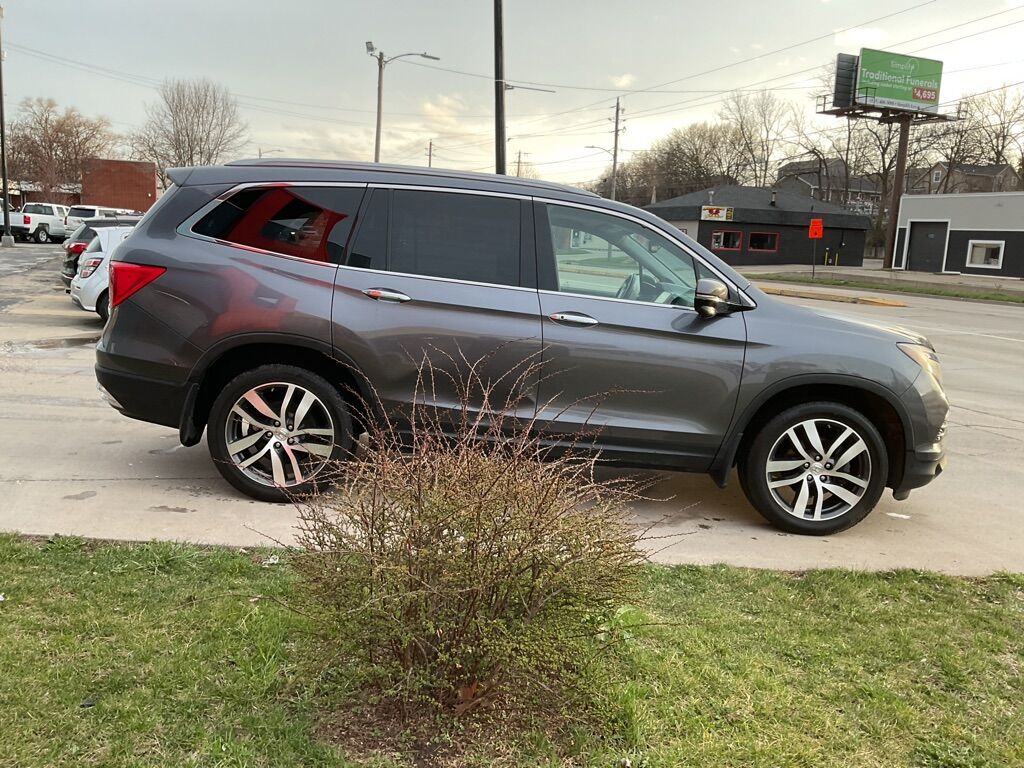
x=70 y=464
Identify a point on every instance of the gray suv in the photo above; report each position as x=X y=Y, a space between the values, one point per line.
x=268 y=302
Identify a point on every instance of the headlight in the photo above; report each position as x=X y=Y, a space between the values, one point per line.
x=924 y=357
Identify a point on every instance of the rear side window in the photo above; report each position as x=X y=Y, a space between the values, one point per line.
x=458 y=236
x=306 y=222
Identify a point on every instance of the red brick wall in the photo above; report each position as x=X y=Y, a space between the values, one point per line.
x=119 y=183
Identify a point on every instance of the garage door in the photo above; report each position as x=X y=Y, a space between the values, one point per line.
x=927 y=246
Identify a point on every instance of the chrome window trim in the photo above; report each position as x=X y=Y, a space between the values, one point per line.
x=437 y=279
x=676 y=307
x=646 y=225
x=185 y=228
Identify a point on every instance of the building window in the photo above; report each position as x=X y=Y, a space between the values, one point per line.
x=936 y=176
x=763 y=241
x=726 y=240
x=985 y=253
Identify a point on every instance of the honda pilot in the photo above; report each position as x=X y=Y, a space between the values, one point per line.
x=282 y=306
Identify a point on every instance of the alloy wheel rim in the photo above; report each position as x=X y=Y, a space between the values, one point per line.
x=818 y=469
x=279 y=434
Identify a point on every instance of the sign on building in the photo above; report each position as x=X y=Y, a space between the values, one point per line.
x=817 y=229
x=898 y=81
x=715 y=213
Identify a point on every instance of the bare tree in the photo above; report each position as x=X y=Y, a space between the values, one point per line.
x=1000 y=125
x=760 y=119
x=194 y=122
x=48 y=145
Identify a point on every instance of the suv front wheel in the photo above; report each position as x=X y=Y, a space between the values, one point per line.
x=816 y=468
x=274 y=432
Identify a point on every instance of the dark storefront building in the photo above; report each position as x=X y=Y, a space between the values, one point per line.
x=752 y=225
x=971 y=234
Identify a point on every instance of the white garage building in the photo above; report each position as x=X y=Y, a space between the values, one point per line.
x=969 y=233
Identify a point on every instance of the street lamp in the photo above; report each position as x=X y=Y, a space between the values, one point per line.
x=383 y=61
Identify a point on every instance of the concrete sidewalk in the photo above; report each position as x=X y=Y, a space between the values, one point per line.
x=872 y=272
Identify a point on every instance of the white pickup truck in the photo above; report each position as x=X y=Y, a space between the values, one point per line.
x=41 y=222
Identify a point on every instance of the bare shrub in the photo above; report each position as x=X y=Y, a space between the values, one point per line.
x=461 y=557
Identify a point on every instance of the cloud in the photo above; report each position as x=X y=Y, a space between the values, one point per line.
x=443 y=110
x=622 y=81
x=858 y=37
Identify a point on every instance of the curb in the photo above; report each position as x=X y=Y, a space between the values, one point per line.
x=798 y=293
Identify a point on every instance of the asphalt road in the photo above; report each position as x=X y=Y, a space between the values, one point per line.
x=70 y=464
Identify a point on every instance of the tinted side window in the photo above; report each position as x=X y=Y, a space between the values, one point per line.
x=370 y=247
x=307 y=222
x=459 y=236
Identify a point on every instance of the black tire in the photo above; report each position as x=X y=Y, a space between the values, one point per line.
x=42 y=235
x=834 y=416
x=265 y=376
x=103 y=307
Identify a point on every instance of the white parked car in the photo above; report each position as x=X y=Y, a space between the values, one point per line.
x=89 y=288
x=79 y=213
x=41 y=222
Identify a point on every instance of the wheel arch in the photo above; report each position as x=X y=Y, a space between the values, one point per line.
x=228 y=359
x=878 y=404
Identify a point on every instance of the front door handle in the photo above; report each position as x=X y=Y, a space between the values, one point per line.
x=385 y=294
x=573 y=318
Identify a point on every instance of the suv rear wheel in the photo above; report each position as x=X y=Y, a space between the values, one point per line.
x=816 y=468
x=275 y=431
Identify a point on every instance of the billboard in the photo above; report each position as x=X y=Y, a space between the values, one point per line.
x=898 y=81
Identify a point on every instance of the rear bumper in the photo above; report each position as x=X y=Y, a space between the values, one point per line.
x=142 y=398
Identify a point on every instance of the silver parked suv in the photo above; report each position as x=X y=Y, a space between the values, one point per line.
x=264 y=301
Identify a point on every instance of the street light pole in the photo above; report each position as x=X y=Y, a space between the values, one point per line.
x=380 y=104
x=383 y=61
x=499 y=90
x=6 y=241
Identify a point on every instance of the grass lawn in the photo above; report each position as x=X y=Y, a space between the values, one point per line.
x=957 y=292
x=162 y=655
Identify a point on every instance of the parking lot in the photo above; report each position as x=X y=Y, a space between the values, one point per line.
x=72 y=465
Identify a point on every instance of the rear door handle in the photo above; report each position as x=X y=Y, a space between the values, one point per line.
x=573 y=318
x=385 y=294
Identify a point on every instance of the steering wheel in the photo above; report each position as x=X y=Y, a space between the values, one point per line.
x=630 y=287
x=643 y=287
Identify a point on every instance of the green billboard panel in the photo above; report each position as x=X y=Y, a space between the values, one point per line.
x=897 y=81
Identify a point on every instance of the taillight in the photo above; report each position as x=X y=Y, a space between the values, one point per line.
x=126 y=279
x=28 y=219
x=77 y=248
x=65 y=221
x=89 y=266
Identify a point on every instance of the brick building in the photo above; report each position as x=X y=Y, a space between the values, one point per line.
x=119 y=183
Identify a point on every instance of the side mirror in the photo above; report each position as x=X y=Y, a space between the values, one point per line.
x=712 y=297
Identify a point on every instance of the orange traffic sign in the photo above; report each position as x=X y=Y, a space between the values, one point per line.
x=817 y=229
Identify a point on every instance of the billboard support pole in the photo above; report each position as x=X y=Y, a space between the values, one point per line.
x=892 y=224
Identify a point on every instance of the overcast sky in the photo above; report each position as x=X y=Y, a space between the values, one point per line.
x=307 y=88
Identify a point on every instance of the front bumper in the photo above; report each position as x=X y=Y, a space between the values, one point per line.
x=919 y=469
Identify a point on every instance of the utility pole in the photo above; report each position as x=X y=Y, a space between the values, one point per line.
x=6 y=241
x=430 y=154
x=519 y=163
x=892 y=225
x=615 y=149
x=499 y=90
